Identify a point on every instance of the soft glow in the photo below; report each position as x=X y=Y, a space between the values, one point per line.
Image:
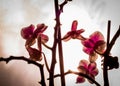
x=17 y=14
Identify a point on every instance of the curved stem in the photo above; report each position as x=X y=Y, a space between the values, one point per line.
x=46 y=63
x=80 y=74
x=42 y=82
x=46 y=46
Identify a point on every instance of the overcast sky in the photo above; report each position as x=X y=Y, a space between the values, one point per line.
x=14 y=14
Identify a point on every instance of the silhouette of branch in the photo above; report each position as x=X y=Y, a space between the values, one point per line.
x=105 y=71
x=42 y=82
x=63 y=4
x=106 y=54
x=78 y=73
x=117 y=34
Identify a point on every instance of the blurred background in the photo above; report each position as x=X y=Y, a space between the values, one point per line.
x=92 y=15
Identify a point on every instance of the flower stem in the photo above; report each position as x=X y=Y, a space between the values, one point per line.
x=61 y=58
x=57 y=12
x=80 y=74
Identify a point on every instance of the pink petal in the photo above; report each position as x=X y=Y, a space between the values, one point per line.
x=44 y=38
x=88 y=51
x=96 y=36
x=80 y=31
x=27 y=32
x=95 y=72
x=100 y=46
x=92 y=66
x=82 y=69
x=93 y=69
x=76 y=34
x=83 y=66
x=34 y=54
x=30 y=41
x=74 y=25
x=80 y=79
x=67 y=37
x=84 y=63
x=40 y=29
x=87 y=43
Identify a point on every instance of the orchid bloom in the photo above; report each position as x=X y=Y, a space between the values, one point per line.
x=74 y=33
x=30 y=34
x=87 y=68
x=95 y=43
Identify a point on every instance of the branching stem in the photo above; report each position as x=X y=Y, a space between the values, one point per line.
x=78 y=73
x=42 y=82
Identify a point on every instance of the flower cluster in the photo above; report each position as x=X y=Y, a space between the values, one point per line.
x=92 y=46
x=30 y=34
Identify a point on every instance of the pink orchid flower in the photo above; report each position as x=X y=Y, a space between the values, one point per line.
x=30 y=34
x=87 y=68
x=95 y=43
x=74 y=33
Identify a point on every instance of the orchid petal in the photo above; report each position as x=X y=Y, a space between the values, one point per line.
x=30 y=41
x=80 y=31
x=44 y=38
x=67 y=37
x=27 y=32
x=34 y=54
x=88 y=51
x=80 y=79
x=84 y=63
x=40 y=29
x=92 y=66
x=96 y=36
x=74 y=25
x=88 y=43
x=95 y=72
x=100 y=46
